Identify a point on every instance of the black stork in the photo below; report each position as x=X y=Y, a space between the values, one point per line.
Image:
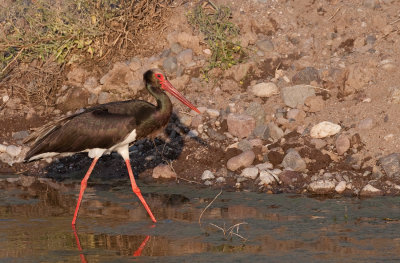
x=108 y=127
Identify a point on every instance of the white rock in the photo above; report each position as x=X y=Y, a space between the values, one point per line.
x=13 y=150
x=340 y=187
x=265 y=166
x=3 y=148
x=208 y=183
x=369 y=190
x=321 y=186
x=5 y=98
x=324 y=129
x=266 y=178
x=207 y=51
x=220 y=180
x=207 y=175
x=192 y=134
x=213 y=113
x=250 y=172
x=265 y=89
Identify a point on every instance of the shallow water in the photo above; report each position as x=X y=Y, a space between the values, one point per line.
x=35 y=225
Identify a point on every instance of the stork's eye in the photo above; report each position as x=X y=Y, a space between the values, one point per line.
x=159 y=76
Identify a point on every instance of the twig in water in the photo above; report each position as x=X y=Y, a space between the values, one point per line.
x=220 y=192
x=230 y=231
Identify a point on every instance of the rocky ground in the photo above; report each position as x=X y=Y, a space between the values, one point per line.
x=312 y=109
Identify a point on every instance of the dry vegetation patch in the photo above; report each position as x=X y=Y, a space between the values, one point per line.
x=39 y=38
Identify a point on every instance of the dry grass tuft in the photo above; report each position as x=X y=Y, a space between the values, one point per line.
x=51 y=34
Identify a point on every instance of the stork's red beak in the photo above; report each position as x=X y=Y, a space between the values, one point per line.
x=166 y=85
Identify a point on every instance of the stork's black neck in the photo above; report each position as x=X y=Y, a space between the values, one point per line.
x=164 y=104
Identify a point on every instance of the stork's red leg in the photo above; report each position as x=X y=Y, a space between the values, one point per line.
x=83 y=259
x=83 y=187
x=136 y=190
x=138 y=251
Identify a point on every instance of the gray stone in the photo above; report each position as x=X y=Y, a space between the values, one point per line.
x=342 y=144
x=250 y=172
x=318 y=143
x=166 y=53
x=244 y=159
x=256 y=110
x=215 y=135
x=238 y=72
x=321 y=187
x=305 y=76
x=293 y=161
x=275 y=133
x=176 y=48
x=207 y=175
x=370 y=39
x=185 y=57
x=240 y=125
x=391 y=164
x=261 y=131
x=265 y=45
x=170 y=65
x=244 y=145
x=20 y=135
x=366 y=124
x=294 y=96
x=293 y=114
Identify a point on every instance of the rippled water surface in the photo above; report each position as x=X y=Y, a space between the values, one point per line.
x=35 y=225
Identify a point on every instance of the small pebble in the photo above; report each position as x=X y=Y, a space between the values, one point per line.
x=324 y=129
x=163 y=171
x=212 y=113
x=250 y=172
x=366 y=124
x=244 y=159
x=208 y=183
x=266 y=178
x=207 y=175
x=220 y=180
x=340 y=187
